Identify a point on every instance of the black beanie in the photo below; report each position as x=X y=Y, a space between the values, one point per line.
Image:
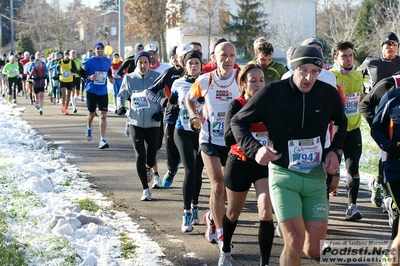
x=190 y=55
x=389 y=36
x=306 y=54
x=214 y=42
x=140 y=54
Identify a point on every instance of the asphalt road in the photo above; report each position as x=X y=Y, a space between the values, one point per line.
x=113 y=171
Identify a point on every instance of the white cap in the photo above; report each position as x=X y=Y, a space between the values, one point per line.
x=26 y=53
x=183 y=48
x=151 y=48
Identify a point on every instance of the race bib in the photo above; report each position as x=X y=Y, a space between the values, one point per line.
x=218 y=124
x=352 y=100
x=139 y=100
x=66 y=74
x=14 y=71
x=101 y=78
x=261 y=137
x=304 y=154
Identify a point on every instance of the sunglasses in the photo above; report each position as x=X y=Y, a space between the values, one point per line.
x=391 y=43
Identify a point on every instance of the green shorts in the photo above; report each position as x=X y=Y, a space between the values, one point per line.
x=298 y=194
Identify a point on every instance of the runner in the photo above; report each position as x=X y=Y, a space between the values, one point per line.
x=242 y=171
x=187 y=141
x=296 y=149
x=96 y=70
x=216 y=89
x=12 y=70
x=76 y=91
x=115 y=65
x=39 y=79
x=144 y=118
x=67 y=69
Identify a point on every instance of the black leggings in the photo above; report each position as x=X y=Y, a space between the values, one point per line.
x=352 y=149
x=187 y=142
x=144 y=157
x=173 y=156
x=12 y=90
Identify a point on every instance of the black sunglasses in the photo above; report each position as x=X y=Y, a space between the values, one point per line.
x=392 y=43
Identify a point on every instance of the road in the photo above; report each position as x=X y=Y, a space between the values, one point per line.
x=113 y=171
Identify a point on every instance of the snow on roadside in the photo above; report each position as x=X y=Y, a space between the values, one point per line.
x=38 y=193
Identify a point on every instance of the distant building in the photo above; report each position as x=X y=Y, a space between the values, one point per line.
x=291 y=20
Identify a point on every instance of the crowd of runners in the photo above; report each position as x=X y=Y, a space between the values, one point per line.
x=282 y=128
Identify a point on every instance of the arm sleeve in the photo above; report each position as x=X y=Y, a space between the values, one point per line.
x=379 y=127
x=241 y=122
x=122 y=67
x=233 y=108
x=123 y=94
x=158 y=85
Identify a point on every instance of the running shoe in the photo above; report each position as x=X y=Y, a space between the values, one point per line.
x=187 y=223
x=376 y=196
x=103 y=144
x=168 y=179
x=89 y=134
x=40 y=112
x=75 y=111
x=146 y=195
x=63 y=110
x=156 y=182
x=66 y=111
x=195 y=214
x=149 y=174
x=391 y=210
x=127 y=130
x=278 y=230
x=352 y=213
x=225 y=259
x=211 y=231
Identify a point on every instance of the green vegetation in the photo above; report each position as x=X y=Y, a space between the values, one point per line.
x=128 y=248
x=87 y=204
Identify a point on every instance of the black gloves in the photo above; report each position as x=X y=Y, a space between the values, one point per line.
x=201 y=100
x=175 y=109
x=157 y=116
x=173 y=99
x=393 y=150
x=195 y=123
x=121 y=110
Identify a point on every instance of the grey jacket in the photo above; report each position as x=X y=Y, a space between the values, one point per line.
x=142 y=109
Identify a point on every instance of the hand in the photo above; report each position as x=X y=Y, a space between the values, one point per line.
x=195 y=123
x=20 y=76
x=157 y=116
x=175 y=109
x=112 y=80
x=121 y=110
x=393 y=150
x=331 y=163
x=265 y=154
x=201 y=100
x=173 y=99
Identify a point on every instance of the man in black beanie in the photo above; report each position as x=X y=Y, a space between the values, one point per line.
x=379 y=67
x=296 y=112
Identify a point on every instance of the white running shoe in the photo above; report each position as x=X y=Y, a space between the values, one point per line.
x=225 y=259
x=103 y=144
x=352 y=213
x=187 y=223
x=211 y=231
x=89 y=134
x=195 y=214
x=391 y=210
x=156 y=182
x=146 y=195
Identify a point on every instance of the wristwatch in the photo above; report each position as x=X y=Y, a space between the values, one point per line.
x=338 y=152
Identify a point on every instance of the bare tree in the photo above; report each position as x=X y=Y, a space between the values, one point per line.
x=290 y=29
x=206 y=19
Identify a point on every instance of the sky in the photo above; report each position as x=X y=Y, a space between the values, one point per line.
x=38 y=194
